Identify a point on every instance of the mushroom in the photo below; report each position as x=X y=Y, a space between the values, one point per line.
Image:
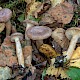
x=39 y=33
x=28 y=46
x=17 y=37
x=59 y=36
x=72 y=34
x=62 y=13
x=5 y=73
x=5 y=15
x=29 y=23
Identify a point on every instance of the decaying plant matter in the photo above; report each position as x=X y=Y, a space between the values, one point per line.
x=39 y=40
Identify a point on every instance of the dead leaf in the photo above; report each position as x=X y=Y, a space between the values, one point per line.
x=47 y=50
x=31 y=8
x=62 y=13
x=41 y=9
x=75 y=59
x=56 y=71
x=56 y=2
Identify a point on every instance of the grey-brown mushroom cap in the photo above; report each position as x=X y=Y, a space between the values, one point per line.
x=30 y=21
x=39 y=32
x=14 y=35
x=5 y=14
x=59 y=36
x=71 y=32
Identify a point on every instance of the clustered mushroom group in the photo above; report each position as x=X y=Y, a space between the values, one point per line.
x=38 y=32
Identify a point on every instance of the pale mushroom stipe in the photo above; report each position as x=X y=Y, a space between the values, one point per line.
x=72 y=34
x=17 y=37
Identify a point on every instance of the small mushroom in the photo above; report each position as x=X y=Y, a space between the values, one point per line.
x=5 y=15
x=17 y=37
x=39 y=33
x=29 y=23
x=72 y=34
x=62 y=13
x=59 y=36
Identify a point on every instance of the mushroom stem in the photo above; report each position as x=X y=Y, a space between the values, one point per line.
x=8 y=28
x=19 y=52
x=39 y=43
x=27 y=27
x=28 y=41
x=72 y=46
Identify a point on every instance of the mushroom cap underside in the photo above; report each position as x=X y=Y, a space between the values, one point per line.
x=30 y=21
x=16 y=35
x=71 y=32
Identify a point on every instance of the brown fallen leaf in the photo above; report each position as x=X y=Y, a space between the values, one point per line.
x=8 y=51
x=62 y=13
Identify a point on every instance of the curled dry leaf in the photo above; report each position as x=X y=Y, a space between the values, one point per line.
x=62 y=13
x=42 y=8
x=47 y=50
x=32 y=8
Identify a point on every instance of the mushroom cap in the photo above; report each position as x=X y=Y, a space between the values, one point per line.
x=2 y=26
x=17 y=34
x=5 y=15
x=60 y=37
x=30 y=21
x=71 y=32
x=39 y=32
x=62 y=13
